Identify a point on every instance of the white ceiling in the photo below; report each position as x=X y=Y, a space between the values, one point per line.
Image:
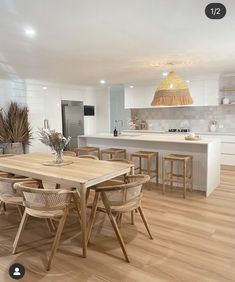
x=121 y=41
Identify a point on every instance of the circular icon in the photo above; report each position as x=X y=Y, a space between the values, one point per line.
x=215 y=11
x=16 y=271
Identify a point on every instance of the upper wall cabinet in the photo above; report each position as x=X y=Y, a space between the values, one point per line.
x=203 y=92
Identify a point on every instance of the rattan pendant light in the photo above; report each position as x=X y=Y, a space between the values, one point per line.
x=172 y=91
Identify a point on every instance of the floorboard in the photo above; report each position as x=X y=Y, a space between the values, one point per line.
x=194 y=241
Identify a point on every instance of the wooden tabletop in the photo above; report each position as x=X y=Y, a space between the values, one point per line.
x=87 y=172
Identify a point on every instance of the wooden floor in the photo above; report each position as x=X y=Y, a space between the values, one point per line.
x=194 y=242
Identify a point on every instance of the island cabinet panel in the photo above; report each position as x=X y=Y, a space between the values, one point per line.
x=227 y=148
x=205 y=152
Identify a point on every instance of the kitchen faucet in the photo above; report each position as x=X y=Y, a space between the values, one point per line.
x=119 y=125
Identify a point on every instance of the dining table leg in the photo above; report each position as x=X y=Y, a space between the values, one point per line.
x=82 y=191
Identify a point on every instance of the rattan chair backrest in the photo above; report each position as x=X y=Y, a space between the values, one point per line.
x=41 y=199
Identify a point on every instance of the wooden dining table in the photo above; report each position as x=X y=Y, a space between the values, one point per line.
x=80 y=174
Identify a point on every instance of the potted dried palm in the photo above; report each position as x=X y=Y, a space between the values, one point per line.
x=15 y=131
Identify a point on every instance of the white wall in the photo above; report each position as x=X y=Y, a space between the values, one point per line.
x=46 y=104
x=117 y=108
x=3 y=93
x=102 y=110
x=6 y=93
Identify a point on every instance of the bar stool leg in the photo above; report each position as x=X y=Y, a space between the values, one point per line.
x=172 y=172
x=156 y=169
x=148 y=165
x=140 y=165
x=191 y=175
x=99 y=156
x=163 y=177
x=185 y=170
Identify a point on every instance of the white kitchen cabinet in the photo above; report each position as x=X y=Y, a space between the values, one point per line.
x=211 y=92
x=197 y=91
x=204 y=93
x=227 y=148
x=139 y=97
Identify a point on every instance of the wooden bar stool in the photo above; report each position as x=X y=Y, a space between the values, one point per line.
x=114 y=153
x=186 y=178
x=148 y=156
x=87 y=150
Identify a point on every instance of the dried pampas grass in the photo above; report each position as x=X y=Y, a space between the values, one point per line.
x=14 y=125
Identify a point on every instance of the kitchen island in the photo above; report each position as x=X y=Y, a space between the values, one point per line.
x=205 y=152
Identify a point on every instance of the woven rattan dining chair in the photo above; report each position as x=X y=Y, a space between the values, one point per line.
x=45 y=204
x=69 y=153
x=122 y=179
x=8 y=196
x=121 y=198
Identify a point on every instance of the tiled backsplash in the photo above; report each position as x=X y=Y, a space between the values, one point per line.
x=195 y=118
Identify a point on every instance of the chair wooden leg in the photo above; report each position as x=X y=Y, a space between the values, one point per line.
x=4 y=207
x=133 y=217
x=118 y=219
x=87 y=194
x=20 y=232
x=115 y=226
x=57 y=238
x=75 y=199
x=145 y=222
x=20 y=209
x=92 y=215
x=50 y=225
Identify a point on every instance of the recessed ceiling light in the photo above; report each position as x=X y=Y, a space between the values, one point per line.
x=102 y=81
x=187 y=81
x=44 y=88
x=30 y=32
x=132 y=86
x=164 y=73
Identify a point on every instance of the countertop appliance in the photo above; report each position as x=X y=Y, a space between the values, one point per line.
x=179 y=130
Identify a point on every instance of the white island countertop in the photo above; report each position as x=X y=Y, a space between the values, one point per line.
x=151 y=138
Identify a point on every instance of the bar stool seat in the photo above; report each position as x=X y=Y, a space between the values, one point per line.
x=186 y=177
x=86 y=150
x=148 y=155
x=114 y=152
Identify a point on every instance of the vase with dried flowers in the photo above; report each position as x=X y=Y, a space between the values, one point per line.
x=56 y=141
